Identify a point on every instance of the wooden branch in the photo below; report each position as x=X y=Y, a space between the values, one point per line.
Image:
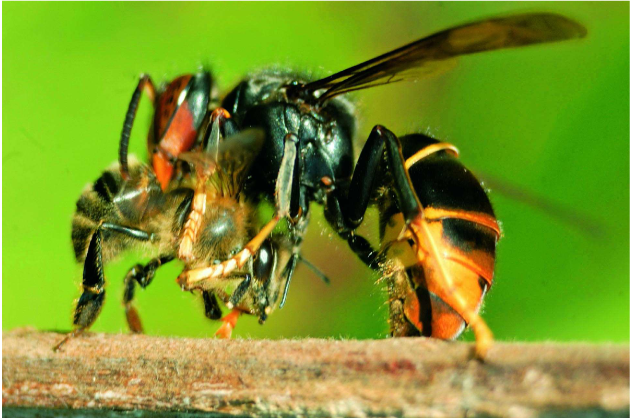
x=395 y=377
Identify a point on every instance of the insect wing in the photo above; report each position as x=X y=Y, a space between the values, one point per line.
x=233 y=160
x=568 y=216
x=202 y=161
x=428 y=54
x=236 y=155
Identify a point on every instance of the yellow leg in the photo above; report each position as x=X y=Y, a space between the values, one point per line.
x=189 y=277
x=420 y=232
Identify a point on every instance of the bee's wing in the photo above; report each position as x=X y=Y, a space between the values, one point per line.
x=237 y=153
x=428 y=55
x=201 y=160
x=232 y=161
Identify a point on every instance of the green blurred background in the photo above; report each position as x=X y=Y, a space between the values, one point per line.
x=550 y=119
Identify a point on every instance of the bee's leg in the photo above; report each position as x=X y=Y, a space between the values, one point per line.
x=229 y=323
x=183 y=210
x=211 y=305
x=189 y=278
x=138 y=234
x=144 y=85
x=91 y=300
x=143 y=275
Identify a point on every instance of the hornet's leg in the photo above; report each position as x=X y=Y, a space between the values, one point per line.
x=143 y=275
x=209 y=286
x=229 y=320
x=427 y=248
x=221 y=126
x=347 y=214
x=215 y=128
x=91 y=301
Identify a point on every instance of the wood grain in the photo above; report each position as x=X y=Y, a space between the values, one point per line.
x=409 y=377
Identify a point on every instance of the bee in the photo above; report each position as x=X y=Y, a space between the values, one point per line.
x=202 y=219
x=438 y=231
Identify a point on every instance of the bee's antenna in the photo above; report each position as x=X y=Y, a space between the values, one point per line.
x=315 y=270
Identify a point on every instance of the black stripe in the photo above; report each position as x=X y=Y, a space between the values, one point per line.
x=426 y=309
x=468 y=236
x=106 y=186
x=440 y=180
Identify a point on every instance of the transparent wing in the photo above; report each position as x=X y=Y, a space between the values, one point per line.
x=563 y=213
x=232 y=162
x=430 y=54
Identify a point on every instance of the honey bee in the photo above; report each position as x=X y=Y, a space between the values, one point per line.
x=202 y=219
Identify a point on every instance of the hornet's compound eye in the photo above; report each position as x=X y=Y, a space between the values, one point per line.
x=264 y=262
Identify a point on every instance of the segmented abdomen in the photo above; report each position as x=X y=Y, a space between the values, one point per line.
x=111 y=199
x=462 y=224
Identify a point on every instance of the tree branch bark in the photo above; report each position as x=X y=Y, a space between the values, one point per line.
x=396 y=377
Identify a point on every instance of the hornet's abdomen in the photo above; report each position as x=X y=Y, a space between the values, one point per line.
x=462 y=226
